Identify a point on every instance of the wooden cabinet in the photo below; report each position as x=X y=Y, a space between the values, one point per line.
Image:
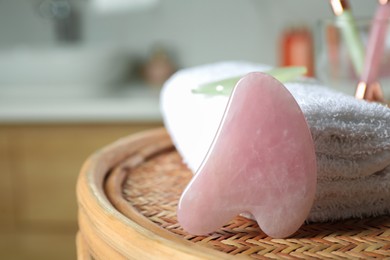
x=7 y=209
x=39 y=166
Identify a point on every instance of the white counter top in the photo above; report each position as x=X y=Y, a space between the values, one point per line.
x=135 y=103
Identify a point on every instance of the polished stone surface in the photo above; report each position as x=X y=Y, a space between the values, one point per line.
x=262 y=161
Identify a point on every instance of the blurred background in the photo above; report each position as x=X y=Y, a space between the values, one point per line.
x=76 y=75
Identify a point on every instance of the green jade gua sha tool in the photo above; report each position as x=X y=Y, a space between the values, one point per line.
x=225 y=87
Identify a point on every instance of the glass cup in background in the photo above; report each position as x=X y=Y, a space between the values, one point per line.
x=334 y=65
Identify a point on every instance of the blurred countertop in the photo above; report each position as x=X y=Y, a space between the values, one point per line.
x=82 y=104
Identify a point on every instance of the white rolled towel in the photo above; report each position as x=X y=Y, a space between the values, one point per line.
x=352 y=137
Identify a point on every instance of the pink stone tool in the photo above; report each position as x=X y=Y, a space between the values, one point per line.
x=262 y=161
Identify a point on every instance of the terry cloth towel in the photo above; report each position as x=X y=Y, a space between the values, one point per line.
x=352 y=137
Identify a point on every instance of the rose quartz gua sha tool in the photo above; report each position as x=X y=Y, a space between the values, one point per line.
x=262 y=161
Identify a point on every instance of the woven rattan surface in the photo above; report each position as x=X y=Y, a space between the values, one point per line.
x=151 y=191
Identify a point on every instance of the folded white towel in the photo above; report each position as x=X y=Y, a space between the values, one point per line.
x=352 y=137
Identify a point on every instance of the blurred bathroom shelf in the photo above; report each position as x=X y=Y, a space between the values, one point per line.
x=133 y=103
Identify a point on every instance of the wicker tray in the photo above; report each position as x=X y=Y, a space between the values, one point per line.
x=128 y=193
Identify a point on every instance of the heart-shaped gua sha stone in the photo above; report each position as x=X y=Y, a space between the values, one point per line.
x=262 y=161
